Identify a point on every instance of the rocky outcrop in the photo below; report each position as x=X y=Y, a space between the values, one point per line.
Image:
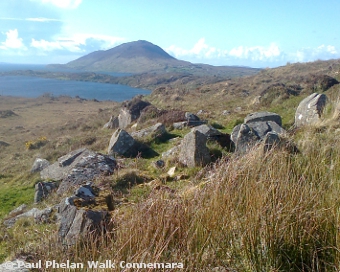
x=39 y=164
x=131 y=111
x=310 y=109
x=43 y=189
x=193 y=150
x=254 y=129
x=64 y=165
x=88 y=168
x=122 y=143
x=78 y=167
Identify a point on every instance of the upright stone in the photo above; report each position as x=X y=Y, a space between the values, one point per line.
x=193 y=150
x=310 y=109
x=131 y=111
x=121 y=143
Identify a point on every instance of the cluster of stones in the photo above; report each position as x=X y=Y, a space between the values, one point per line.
x=73 y=171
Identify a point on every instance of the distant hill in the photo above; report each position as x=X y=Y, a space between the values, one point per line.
x=144 y=57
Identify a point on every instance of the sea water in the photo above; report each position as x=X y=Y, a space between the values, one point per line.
x=27 y=86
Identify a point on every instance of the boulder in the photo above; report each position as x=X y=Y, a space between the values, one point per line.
x=88 y=168
x=254 y=130
x=245 y=138
x=39 y=165
x=122 y=143
x=64 y=165
x=193 y=150
x=43 y=189
x=156 y=131
x=262 y=117
x=207 y=130
x=310 y=109
x=79 y=223
x=78 y=167
x=113 y=123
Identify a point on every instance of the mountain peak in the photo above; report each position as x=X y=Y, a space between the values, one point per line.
x=131 y=57
x=140 y=48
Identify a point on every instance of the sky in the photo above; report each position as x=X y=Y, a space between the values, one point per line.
x=261 y=33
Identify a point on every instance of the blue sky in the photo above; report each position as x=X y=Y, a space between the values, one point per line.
x=262 y=33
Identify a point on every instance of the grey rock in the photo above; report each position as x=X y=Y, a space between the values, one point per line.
x=79 y=167
x=61 y=168
x=124 y=118
x=193 y=150
x=191 y=117
x=43 y=216
x=113 y=123
x=86 y=169
x=39 y=165
x=271 y=140
x=157 y=130
x=80 y=223
x=246 y=139
x=180 y=125
x=121 y=143
x=159 y=164
x=254 y=130
x=263 y=116
x=70 y=157
x=18 y=210
x=43 y=189
x=85 y=192
x=131 y=112
x=310 y=109
x=207 y=130
x=40 y=216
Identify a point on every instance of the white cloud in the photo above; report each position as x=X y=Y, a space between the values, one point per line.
x=12 y=41
x=310 y=54
x=201 y=50
x=66 y=4
x=78 y=43
x=256 y=53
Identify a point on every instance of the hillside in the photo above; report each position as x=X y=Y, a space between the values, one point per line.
x=274 y=211
x=144 y=57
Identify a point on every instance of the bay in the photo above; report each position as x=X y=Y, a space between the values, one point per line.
x=26 y=86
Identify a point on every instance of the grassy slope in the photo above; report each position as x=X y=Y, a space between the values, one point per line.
x=277 y=212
